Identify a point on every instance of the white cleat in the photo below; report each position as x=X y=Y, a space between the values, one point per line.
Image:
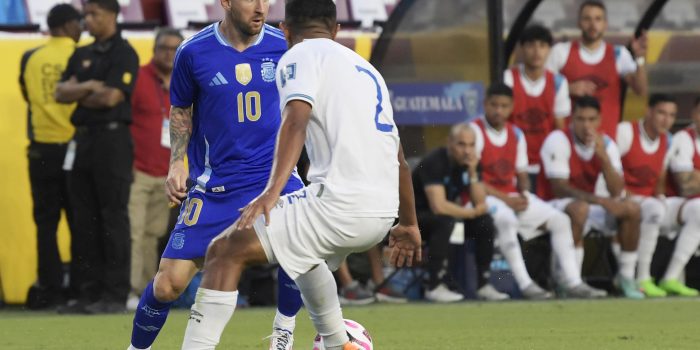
x=489 y=293
x=281 y=339
x=442 y=294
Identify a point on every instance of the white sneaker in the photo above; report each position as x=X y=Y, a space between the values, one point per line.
x=442 y=294
x=535 y=292
x=281 y=339
x=132 y=303
x=489 y=293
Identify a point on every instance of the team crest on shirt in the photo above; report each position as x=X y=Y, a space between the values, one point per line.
x=244 y=74
x=267 y=70
x=288 y=73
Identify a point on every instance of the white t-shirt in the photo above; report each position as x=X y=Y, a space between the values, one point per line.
x=499 y=139
x=560 y=53
x=625 y=136
x=556 y=152
x=683 y=149
x=351 y=139
x=534 y=88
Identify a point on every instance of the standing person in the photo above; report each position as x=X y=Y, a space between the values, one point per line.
x=572 y=162
x=100 y=78
x=49 y=130
x=540 y=97
x=148 y=206
x=225 y=117
x=440 y=179
x=596 y=68
x=501 y=148
x=356 y=190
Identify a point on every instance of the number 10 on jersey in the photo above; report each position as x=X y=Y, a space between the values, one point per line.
x=249 y=106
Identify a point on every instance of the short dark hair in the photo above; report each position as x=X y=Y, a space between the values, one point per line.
x=499 y=89
x=168 y=31
x=593 y=3
x=62 y=14
x=298 y=13
x=586 y=102
x=109 y=5
x=655 y=99
x=534 y=33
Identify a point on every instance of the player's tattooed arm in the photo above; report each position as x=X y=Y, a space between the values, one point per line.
x=562 y=189
x=688 y=183
x=180 y=132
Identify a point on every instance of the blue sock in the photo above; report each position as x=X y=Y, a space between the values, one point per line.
x=289 y=298
x=149 y=319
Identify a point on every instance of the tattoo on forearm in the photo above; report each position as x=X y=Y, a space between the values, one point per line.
x=689 y=183
x=180 y=131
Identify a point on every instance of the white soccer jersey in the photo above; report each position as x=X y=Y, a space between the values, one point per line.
x=625 y=136
x=556 y=152
x=351 y=140
x=560 y=54
x=499 y=139
x=683 y=149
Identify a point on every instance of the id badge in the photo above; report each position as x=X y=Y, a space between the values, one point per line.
x=70 y=156
x=165 y=134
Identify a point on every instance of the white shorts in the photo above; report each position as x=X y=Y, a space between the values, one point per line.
x=598 y=217
x=304 y=232
x=529 y=221
x=676 y=212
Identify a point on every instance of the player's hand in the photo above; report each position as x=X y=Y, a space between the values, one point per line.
x=639 y=45
x=600 y=150
x=405 y=244
x=517 y=203
x=613 y=206
x=176 y=184
x=260 y=205
x=582 y=88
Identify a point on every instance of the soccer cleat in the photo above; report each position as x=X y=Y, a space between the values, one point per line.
x=281 y=339
x=354 y=294
x=584 y=291
x=535 y=292
x=442 y=294
x=388 y=295
x=489 y=293
x=629 y=287
x=677 y=287
x=651 y=290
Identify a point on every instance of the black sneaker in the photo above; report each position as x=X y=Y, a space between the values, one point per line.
x=73 y=307
x=106 y=307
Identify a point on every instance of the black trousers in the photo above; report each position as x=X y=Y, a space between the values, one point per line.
x=99 y=186
x=50 y=196
x=436 y=231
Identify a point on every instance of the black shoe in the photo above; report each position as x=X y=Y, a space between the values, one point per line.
x=106 y=307
x=42 y=298
x=73 y=307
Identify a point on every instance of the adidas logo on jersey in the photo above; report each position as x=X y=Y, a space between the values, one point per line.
x=218 y=80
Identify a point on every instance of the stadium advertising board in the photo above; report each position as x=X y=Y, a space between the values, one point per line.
x=436 y=103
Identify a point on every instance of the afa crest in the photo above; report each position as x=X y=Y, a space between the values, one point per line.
x=267 y=70
x=244 y=74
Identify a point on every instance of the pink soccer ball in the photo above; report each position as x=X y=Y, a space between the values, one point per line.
x=358 y=334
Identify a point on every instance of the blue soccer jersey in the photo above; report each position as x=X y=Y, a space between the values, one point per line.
x=235 y=104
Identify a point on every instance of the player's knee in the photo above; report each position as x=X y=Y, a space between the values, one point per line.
x=578 y=212
x=633 y=211
x=559 y=223
x=652 y=211
x=506 y=223
x=168 y=288
x=691 y=212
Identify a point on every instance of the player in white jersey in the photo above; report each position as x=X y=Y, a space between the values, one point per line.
x=360 y=182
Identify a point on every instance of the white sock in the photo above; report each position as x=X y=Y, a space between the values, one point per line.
x=652 y=213
x=562 y=240
x=616 y=249
x=627 y=262
x=578 y=251
x=510 y=248
x=320 y=296
x=209 y=315
x=284 y=322
x=686 y=245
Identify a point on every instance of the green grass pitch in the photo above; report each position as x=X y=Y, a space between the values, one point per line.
x=607 y=324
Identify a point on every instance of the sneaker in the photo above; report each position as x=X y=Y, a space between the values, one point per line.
x=73 y=307
x=489 y=293
x=354 y=294
x=535 y=292
x=281 y=339
x=442 y=294
x=651 y=290
x=132 y=303
x=629 y=288
x=106 y=307
x=387 y=294
x=677 y=287
x=584 y=291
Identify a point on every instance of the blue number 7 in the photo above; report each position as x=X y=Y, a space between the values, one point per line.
x=381 y=127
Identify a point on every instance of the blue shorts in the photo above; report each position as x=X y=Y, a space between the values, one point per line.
x=203 y=216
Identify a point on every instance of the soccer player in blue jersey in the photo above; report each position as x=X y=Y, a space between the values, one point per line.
x=225 y=116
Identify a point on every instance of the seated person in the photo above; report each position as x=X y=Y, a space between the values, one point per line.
x=438 y=181
x=573 y=161
x=502 y=150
